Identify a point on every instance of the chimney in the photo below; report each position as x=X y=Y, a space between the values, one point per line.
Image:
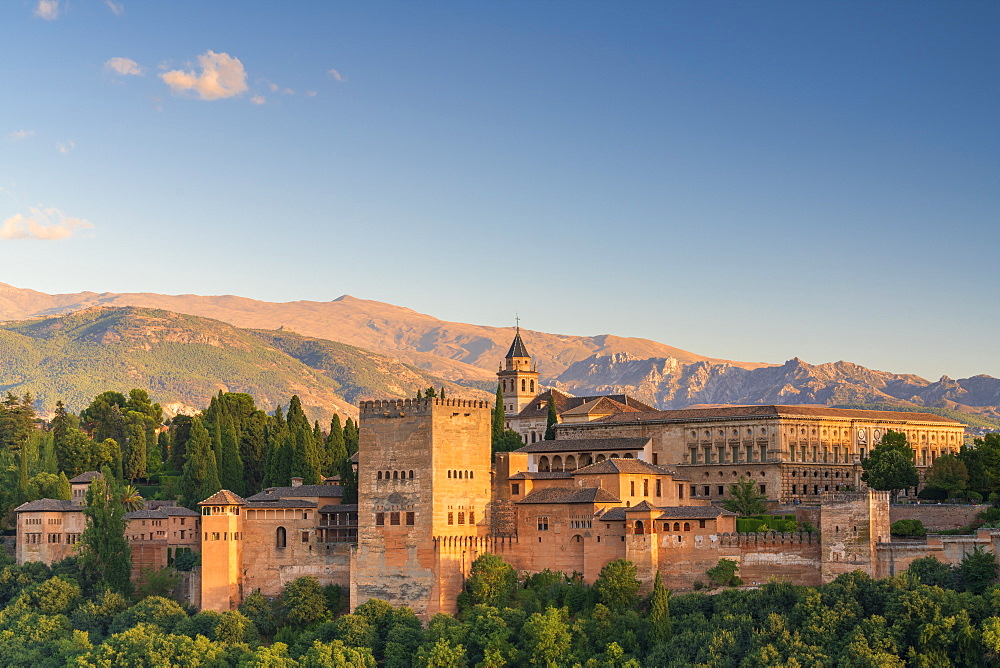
x=296 y=481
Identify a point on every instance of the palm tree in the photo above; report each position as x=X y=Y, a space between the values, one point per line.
x=131 y=498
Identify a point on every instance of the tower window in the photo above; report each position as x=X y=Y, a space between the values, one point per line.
x=532 y=386
x=380 y=519
x=409 y=519
x=543 y=523
x=394 y=519
x=523 y=389
x=451 y=518
x=461 y=517
x=280 y=537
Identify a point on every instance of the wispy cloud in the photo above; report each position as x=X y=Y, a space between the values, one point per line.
x=21 y=134
x=258 y=99
x=336 y=75
x=48 y=9
x=221 y=76
x=123 y=66
x=310 y=93
x=45 y=224
x=116 y=9
x=66 y=146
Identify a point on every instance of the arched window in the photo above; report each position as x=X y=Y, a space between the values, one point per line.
x=557 y=464
x=687 y=526
x=386 y=475
x=472 y=474
x=532 y=386
x=570 y=464
x=677 y=526
x=379 y=475
x=411 y=475
x=639 y=529
x=395 y=475
x=600 y=458
x=543 y=464
x=449 y=473
x=280 y=537
x=523 y=388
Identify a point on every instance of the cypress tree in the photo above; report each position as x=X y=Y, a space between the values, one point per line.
x=441 y=393
x=60 y=425
x=135 y=452
x=420 y=395
x=336 y=450
x=552 y=420
x=499 y=417
x=105 y=556
x=659 y=612
x=350 y=437
x=64 y=490
x=200 y=479
x=231 y=464
x=253 y=450
x=180 y=432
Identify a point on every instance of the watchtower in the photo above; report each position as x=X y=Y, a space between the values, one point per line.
x=222 y=551
x=518 y=377
x=423 y=490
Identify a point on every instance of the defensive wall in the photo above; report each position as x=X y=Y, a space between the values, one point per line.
x=936 y=516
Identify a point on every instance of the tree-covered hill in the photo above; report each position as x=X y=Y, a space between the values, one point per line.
x=186 y=359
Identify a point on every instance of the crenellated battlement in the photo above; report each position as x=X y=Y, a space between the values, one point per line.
x=399 y=407
x=854 y=497
x=767 y=539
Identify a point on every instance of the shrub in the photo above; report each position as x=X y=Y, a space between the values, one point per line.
x=974 y=496
x=933 y=494
x=908 y=528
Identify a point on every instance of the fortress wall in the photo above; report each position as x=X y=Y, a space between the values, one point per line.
x=936 y=516
x=269 y=568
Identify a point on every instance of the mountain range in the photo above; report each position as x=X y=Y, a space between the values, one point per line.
x=340 y=351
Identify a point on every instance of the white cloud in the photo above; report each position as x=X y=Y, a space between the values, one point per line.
x=46 y=224
x=116 y=9
x=310 y=93
x=22 y=134
x=123 y=66
x=335 y=74
x=221 y=76
x=66 y=146
x=48 y=9
x=274 y=87
x=258 y=99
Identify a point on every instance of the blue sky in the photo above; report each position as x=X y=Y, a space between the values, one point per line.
x=753 y=181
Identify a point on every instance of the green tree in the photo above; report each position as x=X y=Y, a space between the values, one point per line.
x=977 y=571
x=948 y=473
x=659 y=612
x=498 y=425
x=351 y=436
x=617 y=585
x=552 y=420
x=200 y=478
x=430 y=393
x=105 y=555
x=546 y=638
x=441 y=655
x=303 y=602
x=231 y=464
x=723 y=574
x=335 y=448
x=982 y=461
x=744 y=498
x=492 y=581
x=890 y=466
x=135 y=460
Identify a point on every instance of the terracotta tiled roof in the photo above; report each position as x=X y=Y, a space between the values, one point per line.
x=586 y=445
x=539 y=406
x=603 y=405
x=725 y=412
x=298 y=491
x=517 y=348
x=87 y=476
x=340 y=508
x=571 y=495
x=280 y=503
x=693 y=512
x=223 y=498
x=641 y=507
x=146 y=515
x=177 y=511
x=541 y=475
x=48 y=505
x=623 y=466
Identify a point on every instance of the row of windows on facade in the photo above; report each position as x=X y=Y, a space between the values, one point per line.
x=509 y=385
x=395 y=475
x=816 y=489
x=152 y=536
x=730 y=454
x=60 y=538
x=722 y=490
x=224 y=535
x=543 y=524
x=394 y=519
x=557 y=464
x=461 y=517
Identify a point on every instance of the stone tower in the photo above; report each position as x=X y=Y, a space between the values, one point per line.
x=222 y=551
x=518 y=378
x=423 y=491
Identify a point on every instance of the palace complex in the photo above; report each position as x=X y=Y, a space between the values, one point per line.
x=620 y=480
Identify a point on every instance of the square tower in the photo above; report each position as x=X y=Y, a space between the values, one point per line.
x=423 y=491
x=222 y=551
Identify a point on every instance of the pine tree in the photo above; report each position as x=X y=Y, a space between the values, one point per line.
x=659 y=612
x=135 y=452
x=180 y=433
x=201 y=472
x=431 y=393
x=253 y=450
x=552 y=420
x=105 y=556
x=60 y=424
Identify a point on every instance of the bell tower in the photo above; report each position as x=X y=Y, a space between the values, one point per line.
x=518 y=377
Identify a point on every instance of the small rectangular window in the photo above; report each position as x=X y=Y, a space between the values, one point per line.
x=631 y=487
x=451 y=518
x=763 y=489
x=472 y=517
x=701 y=524
x=722 y=490
x=380 y=519
x=394 y=519
x=680 y=491
x=461 y=517
x=215 y=535
x=515 y=489
x=543 y=523
x=645 y=486
x=656 y=459
x=409 y=519
x=305 y=536
x=659 y=487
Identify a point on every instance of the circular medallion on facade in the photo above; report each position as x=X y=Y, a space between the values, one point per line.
x=862 y=435
x=877 y=435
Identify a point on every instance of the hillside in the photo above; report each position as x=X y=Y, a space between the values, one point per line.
x=186 y=359
x=456 y=351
